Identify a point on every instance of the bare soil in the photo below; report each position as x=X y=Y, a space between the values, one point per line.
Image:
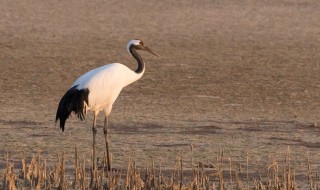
x=238 y=75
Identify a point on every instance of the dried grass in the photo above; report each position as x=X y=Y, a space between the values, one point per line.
x=36 y=174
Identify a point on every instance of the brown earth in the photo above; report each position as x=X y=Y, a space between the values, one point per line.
x=238 y=75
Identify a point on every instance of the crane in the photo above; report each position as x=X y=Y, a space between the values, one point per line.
x=98 y=89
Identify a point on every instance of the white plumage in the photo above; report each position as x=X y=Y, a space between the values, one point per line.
x=104 y=84
x=98 y=89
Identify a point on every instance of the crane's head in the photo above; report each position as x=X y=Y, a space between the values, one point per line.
x=139 y=45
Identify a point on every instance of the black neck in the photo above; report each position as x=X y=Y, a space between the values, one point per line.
x=138 y=58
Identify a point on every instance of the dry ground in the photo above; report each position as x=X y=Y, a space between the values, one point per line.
x=238 y=75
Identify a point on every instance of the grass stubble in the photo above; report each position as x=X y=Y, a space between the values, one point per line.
x=223 y=174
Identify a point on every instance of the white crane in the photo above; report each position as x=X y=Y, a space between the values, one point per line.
x=98 y=89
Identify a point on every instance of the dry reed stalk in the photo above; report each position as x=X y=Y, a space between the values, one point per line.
x=247 y=166
x=146 y=179
x=38 y=177
x=128 y=175
x=111 y=161
x=133 y=174
x=62 y=184
x=102 y=172
x=83 y=175
x=139 y=181
x=198 y=174
x=45 y=174
x=101 y=176
x=153 y=179
x=76 y=174
x=119 y=181
x=160 y=174
x=181 y=172
x=257 y=184
x=294 y=180
x=39 y=158
x=35 y=168
x=309 y=170
x=289 y=183
x=57 y=172
x=23 y=171
x=7 y=163
x=104 y=163
x=171 y=181
x=32 y=168
x=112 y=182
x=174 y=175
x=9 y=177
x=6 y=176
x=195 y=183
x=205 y=182
x=238 y=180
x=164 y=182
x=276 y=176
x=192 y=165
x=178 y=172
x=273 y=181
x=230 y=171
x=284 y=183
x=97 y=177
x=220 y=170
x=201 y=175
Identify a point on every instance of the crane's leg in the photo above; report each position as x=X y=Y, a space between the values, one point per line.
x=94 y=132
x=105 y=131
x=94 y=167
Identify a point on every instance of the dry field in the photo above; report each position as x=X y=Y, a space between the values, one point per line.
x=242 y=76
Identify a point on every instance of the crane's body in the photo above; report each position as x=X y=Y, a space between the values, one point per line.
x=104 y=84
x=98 y=89
x=108 y=80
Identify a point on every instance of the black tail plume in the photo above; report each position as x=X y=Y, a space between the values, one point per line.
x=72 y=101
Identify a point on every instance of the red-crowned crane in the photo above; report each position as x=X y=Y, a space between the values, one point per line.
x=98 y=89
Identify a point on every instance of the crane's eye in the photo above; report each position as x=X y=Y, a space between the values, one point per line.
x=141 y=43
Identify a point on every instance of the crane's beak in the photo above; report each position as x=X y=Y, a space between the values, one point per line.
x=146 y=48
